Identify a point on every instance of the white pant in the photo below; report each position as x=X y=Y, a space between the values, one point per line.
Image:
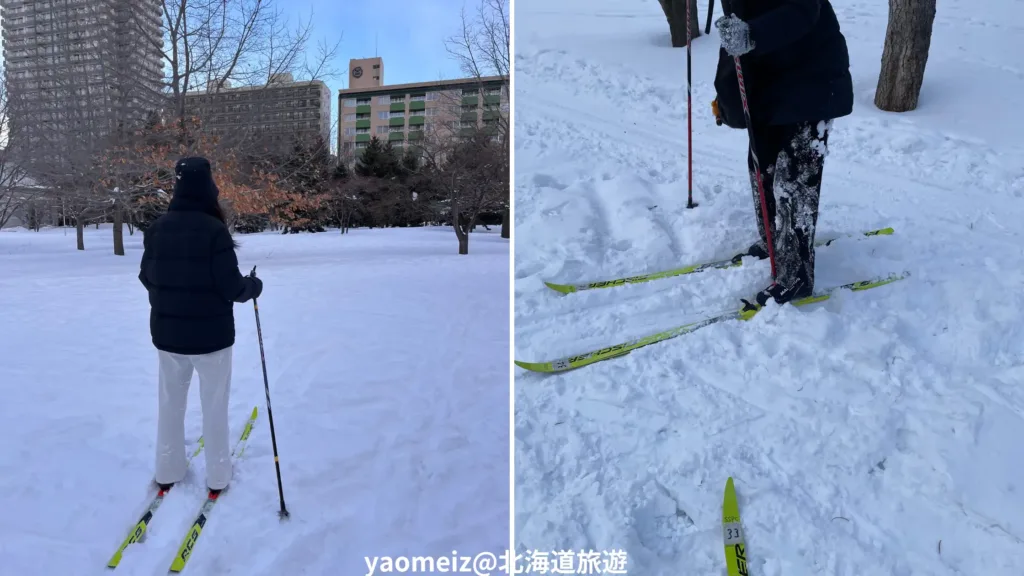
x=214 y=388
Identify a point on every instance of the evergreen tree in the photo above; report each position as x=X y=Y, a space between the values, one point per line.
x=378 y=160
x=411 y=161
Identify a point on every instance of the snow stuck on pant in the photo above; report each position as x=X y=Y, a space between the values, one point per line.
x=387 y=356
x=875 y=434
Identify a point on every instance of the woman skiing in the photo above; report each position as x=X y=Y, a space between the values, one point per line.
x=191 y=272
x=795 y=67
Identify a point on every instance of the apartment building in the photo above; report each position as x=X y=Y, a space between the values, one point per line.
x=403 y=113
x=77 y=69
x=280 y=112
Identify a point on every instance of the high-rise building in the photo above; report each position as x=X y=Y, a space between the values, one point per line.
x=279 y=113
x=403 y=113
x=77 y=70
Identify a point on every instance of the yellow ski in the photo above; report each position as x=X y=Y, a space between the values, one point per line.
x=732 y=534
x=733 y=262
x=138 y=531
x=585 y=359
x=185 y=551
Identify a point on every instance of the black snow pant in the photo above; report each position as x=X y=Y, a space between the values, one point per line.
x=792 y=158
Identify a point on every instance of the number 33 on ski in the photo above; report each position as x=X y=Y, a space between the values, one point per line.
x=732 y=534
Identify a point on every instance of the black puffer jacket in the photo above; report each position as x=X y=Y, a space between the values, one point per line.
x=799 y=70
x=190 y=269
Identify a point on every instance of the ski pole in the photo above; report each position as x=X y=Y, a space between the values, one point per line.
x=726 y=4
x=711 y=11
x=689 y=110
x=283 y=513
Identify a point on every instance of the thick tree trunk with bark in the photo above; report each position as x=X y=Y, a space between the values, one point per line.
x=118 y=231
x=80 y=232
x=907 y=41
x=675 y=13
x=506 y=228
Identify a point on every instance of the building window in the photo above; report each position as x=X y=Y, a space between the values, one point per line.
x=396 y=128
x=363 y=102
x=418 y=97
x=398 y=97
x=350 y=102
x=362 y=130
x=350 y=117
x=384 y=100
x=492 y=91
x=382 y=129
x=383 y=115
x=350 y=131
x=397 y=114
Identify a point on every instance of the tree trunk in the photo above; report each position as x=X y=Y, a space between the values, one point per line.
x=80 y=233
x=694 y=19
x=907 y=41
x=118 y=231
x=460 y=231
x=675 y=13
x=506 y=228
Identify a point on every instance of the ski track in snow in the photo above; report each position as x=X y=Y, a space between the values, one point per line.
x=861 y=432
x=387 y=359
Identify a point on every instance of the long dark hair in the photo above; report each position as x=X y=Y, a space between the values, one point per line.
x=217 y=211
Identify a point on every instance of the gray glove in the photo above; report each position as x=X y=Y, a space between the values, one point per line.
x=735 y=35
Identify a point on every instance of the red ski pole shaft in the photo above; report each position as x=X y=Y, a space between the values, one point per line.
x=689 y=110
x=753 y=155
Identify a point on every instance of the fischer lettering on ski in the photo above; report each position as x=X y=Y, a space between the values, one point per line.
x=138 y=531
x=580 y=360
x=196 y=529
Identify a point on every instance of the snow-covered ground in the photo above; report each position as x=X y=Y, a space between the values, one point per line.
x=388 y=362
x=876 y=434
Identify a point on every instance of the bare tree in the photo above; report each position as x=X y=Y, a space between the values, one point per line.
x=12 y=172
x=468 y=174
x=72 y=94
x=212 y=44
x=907 y=42
x=483 y=50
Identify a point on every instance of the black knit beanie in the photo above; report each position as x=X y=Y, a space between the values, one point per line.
x=194 y=180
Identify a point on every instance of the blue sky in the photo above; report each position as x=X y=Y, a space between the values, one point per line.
x=408 y=34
